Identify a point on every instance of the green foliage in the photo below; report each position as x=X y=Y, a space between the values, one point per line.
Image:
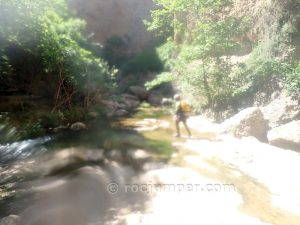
x=114 y=51
x=32 y=130
x=201 y=36
x=162 y=78
x=164 y=52
x=205 y=36
x=147 y=60
x=178 y=16
x=293 y=81
x=53 y=51
x=206 y=83
x=75 y=115
x=52 y=120
x=263 y=65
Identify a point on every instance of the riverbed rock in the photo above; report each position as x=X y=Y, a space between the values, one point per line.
x=120 y=113
x=154 y=99
x=281 y=110
x=148 y=124
x=112 y=105
x=60 y=128
x=70 y=159
x=286 y=136
x=131 y=101
x=137 y=158
x=78 y=126
x=166 y=101
x=130 y=96
x=248 y=122
x=140 y=92
x=93 y=115
x=11 y=220
x=139 y=154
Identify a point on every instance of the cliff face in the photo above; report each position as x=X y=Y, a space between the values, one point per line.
x=122 y=18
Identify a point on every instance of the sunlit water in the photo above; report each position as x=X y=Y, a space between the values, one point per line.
x=66 y=176
x=115 y=175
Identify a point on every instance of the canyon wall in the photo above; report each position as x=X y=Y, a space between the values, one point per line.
x=122 y=18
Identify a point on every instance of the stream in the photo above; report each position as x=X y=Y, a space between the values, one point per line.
x=134 y=172
x=66 y=175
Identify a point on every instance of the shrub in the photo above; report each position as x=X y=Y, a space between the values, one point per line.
x=147 y=60
x=42 y=44
x=75 y=115
x=32 y=130
x=293 y=81
x=52 y=120
x=163 y=78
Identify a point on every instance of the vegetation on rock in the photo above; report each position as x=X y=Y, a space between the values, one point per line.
x=222 y=55
x=44 y=53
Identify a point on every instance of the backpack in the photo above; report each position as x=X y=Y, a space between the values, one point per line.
x=185 y=107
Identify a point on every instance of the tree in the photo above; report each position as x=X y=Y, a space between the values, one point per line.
x=203 y=34
x=42 y=48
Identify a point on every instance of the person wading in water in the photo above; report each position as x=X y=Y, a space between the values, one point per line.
x=180 y=116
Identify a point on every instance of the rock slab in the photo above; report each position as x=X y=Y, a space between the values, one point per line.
x=286 y=136
x=248 y=122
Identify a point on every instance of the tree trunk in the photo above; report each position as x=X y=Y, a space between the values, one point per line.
x=206 y=87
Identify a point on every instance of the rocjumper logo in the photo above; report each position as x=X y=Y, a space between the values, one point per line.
x=114 y=188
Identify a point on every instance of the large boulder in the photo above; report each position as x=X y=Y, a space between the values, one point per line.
x=131 y=101
x=248 y=122
x=111 y=105
x=281 y=110
x=120 y=113
x=155 y=99
x=140 y=92
x=286 y=136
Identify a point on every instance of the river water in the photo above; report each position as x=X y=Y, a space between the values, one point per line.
x=134 y=172
x=64 y=178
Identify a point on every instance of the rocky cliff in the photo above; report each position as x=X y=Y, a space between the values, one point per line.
x=122 y=18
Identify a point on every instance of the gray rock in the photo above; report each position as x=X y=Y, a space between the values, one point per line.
x=10 y=220
x=154 y=99
x=248 y=122
x=93 y=115
x=286 y=136
x=111 y=105
x=281 y=110
x=131 y=103
x=60 y=128
x=121 y=19
x=120 y=113
x=70 y=159
x=166 y=101
x=140 y=92
x=115 y=155
x=139 y=154
x=129 y=96
x=78 y=126
x=137 y=158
